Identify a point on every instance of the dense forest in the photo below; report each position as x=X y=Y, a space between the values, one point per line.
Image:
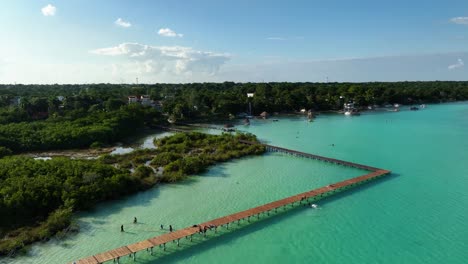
x=38 y=197
x=220 y=99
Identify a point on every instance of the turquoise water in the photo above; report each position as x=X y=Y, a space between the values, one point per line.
x=417 y=215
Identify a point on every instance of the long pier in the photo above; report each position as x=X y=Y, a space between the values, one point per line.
x=266 y=209
x=313 y=156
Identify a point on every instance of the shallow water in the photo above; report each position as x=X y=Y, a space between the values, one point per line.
x=417 y=215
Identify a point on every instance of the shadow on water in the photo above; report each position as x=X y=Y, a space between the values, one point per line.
x=229 y=236
x=115 y=206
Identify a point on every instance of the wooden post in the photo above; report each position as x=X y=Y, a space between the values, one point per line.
x=134 y=256
x=151 y=251
x=178 y=242
x=164 y=245
x=191 y=238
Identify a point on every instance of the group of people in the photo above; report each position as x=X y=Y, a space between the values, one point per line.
x=203 y=229
x=135 y=220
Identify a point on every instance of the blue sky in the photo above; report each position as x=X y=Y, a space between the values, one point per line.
x=71 y=41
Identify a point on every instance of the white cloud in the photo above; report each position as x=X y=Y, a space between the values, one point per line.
x=460 y=20
x=165 y=60
x=121 y=23
x=167 y=32
x=459 y=64
x=276 y=38
x=49 y=10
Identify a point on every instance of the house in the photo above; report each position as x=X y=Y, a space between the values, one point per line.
x=145 y=100
x=132 y=99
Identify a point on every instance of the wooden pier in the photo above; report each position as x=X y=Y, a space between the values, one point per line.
x=153 y=243
x=313 y=156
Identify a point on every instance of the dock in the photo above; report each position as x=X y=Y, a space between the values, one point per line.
x=151 y=244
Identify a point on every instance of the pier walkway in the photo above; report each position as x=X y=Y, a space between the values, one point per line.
x=313 y=156
x=160 y=241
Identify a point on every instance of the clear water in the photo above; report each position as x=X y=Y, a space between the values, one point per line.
x=417 y=215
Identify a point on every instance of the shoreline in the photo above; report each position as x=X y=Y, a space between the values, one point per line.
x=60 y=220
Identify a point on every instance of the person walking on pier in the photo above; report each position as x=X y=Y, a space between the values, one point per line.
x=121 y=228
x=170 y=228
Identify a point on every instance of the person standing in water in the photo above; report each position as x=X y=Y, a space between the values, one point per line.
x=170 y=228
x=134 y=220
x=121 y=228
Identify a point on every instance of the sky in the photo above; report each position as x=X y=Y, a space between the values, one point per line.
x=180 y=41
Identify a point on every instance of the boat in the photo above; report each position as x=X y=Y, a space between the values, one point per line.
x=350 y=110
x=353 y=112
x=314 y=206
x=422 y=106
x=414 y=108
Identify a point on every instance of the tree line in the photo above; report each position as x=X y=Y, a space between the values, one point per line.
x=200 y=100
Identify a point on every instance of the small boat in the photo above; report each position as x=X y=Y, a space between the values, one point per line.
x=352 y=113
x=422 y=106
x=414 y=108
x=314 y=206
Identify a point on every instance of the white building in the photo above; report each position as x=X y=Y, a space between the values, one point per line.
x=145 y=100
x=132 y=99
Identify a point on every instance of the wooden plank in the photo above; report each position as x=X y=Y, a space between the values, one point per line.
x=105 y=256
x=88 y=260
x=139 y=246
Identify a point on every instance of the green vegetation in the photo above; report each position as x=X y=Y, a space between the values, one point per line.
x=185 y=154
x=208 y=100
x=37 y=197
x=95 y=129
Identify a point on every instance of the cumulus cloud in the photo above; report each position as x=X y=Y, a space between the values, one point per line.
x=460 y=20
x=459 y=64
x=49 y=10
x=167 y=32
x=172 y=60
x=121 y=23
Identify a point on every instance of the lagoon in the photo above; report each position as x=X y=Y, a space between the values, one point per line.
x=416 y=215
